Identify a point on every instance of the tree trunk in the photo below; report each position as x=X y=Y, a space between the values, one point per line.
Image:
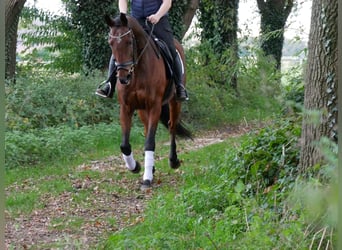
x=189 y=14
x=321 y=82
x=219 y=23
x=13 y=10
x=229 y=36
x=274 y=14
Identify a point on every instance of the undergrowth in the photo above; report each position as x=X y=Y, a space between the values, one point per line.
x=60 y=144
x=237 y=198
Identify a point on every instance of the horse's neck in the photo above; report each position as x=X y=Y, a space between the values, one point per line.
x=143 y=41
x=145 y=45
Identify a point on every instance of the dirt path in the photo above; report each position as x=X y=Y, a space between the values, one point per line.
x=65 y=223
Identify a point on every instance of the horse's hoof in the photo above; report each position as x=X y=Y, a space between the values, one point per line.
x=137 y=168
x=174 y=163
x=147 y=184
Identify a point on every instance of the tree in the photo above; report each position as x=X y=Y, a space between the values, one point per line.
x=321 y=82
x=88 y=19
x=189 y=14
x=181 y=15
x=87 y=16
x=55 y=40
x=219 y=23
x=13 y=9
x=79 y=37
x=274 y=14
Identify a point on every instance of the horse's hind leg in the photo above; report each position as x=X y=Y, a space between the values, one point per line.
x=175 y=108
x=174 y=162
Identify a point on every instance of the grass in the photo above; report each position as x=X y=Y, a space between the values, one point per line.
x=207 y=210
x=204 y=205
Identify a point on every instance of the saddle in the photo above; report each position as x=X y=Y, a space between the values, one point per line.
x=166 y=55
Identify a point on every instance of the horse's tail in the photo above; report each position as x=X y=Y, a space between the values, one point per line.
x=181 y=130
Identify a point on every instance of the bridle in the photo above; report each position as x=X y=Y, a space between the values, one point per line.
x=130 y=65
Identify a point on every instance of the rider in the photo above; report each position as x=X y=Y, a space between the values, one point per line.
x=156 y=12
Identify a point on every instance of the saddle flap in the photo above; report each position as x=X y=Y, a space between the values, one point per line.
x=166 y=54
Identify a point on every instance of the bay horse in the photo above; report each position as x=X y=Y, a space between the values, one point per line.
x=143 y=85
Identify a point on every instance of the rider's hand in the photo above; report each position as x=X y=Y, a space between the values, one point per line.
x=153 y=18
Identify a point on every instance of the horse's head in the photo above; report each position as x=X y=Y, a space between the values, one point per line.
x=122 y=42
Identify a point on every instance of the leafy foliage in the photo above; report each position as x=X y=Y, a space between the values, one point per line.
x=61 y=143
x=271 y=157
x=88 y=20
x=51 y=42
x=176 y=17
x=48 y=101
x=316 y=192
x=218 y=20
x=73 y=42
x=51 y=118
x=294 y=88
x=212 y=104
x=76 y=41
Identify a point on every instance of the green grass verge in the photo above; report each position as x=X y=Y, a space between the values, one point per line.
x=215 y=203
x=219 y=205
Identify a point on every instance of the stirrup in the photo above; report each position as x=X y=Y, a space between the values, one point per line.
x=104 y=93
x=102 y=84
x=182 y=98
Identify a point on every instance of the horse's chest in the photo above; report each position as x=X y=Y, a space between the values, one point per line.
x=136 y=99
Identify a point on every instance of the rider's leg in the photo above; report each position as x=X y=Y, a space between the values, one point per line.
x=178 y=75
x=164 y=32
x=107 y=87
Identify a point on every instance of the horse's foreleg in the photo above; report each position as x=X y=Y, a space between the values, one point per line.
x=150 y=144
x=127 y=154
x=149 y=153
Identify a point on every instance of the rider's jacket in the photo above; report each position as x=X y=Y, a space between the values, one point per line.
x=144 y=8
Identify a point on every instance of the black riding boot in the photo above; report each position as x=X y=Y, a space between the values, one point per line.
x=106 y=88
x=181 y=94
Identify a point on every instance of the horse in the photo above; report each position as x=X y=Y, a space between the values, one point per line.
x=143 y=85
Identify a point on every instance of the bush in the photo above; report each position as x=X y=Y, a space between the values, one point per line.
x=44 y=101
x=58 y=144
x=293 y=89
x=212 y=104
x=272 y=156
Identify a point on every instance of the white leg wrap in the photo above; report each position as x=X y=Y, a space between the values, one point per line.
x=149 y=163
x=129 y=160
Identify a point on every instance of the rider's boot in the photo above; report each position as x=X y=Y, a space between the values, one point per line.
x=181 y=94
x=107 y=87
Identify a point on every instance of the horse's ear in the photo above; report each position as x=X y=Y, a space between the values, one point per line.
x=123 y=19
x=109 y=21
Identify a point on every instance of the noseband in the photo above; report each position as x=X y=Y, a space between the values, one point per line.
x=129 y=65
